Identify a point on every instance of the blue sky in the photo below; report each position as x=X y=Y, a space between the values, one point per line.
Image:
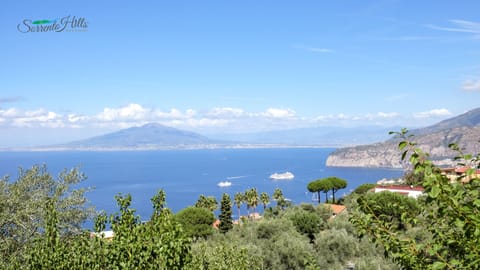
x=234 y=66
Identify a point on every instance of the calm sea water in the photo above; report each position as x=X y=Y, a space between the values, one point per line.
x=185 y=174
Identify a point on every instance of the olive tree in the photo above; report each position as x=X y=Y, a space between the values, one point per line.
x=196 y=221
x=22 y=207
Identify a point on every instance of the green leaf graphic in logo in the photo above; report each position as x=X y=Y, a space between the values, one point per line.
x=43 y=22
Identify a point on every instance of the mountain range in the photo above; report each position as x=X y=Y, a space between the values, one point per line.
x=154 y=136
x=463 y=130
x=147 y=137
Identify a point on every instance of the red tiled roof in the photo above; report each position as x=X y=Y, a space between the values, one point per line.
x=337 y=208
x=459 y=170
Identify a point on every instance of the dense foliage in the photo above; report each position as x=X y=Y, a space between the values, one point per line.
x=159 y=243
x=22 y=208
x=196 y=221
x=390 y=207
x=446 y=232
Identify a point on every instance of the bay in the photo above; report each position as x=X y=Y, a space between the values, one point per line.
x=186 y=174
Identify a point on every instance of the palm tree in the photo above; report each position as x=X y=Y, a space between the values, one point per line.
x=278 y=196
x=209 y=203
x=239 y=199
x=246 y=195
x=251 y=197
x=265 y=200
x=254 y=198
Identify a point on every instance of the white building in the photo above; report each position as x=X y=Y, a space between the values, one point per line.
x=410 y=191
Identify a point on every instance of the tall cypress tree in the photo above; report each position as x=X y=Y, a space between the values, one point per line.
x=225 y=214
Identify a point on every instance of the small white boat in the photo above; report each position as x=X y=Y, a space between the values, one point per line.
x=282 y=176
x=224 y=184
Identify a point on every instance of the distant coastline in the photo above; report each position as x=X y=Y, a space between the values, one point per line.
x=159 y=147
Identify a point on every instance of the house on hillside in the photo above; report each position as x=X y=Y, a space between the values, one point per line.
x=410 y=191
x=454 y=173
x=336 y=209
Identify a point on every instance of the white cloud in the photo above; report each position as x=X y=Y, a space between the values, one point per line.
x=40 y=117
x=279 y=113
x=74 y=118
x=366 y=117
x=12 y=112
x=462 y=26
x=332 y=117
x=226 y=112
x=172 y=114
x=388 y=115
x=224 y=119
x=130 y=112
x=433 y=113
x=471 y=85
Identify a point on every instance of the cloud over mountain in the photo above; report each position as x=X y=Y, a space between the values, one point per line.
x=228 y=119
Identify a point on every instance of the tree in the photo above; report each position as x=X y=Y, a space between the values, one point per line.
x=390 y=207
x=308 y=223
x=124 y=221
x=251 y=197
x=314 y=186
x=196 y=221
x=239 y=198
x=325 y=185
x=22 y=207
x=159 y=202
x=265 y=199
x=337 y=183
x=157 y=244
x=278 y=196
x=449 y=220
x=225 y=214
x=209 y=203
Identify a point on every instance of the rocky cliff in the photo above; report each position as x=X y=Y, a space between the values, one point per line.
x=463 y=130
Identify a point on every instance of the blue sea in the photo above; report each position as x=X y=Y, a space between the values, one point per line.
x=186 y=174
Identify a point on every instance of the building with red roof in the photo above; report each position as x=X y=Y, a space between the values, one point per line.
x=410 y=191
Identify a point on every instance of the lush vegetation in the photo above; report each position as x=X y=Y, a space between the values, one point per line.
x=41 y=217
x=443 y=230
